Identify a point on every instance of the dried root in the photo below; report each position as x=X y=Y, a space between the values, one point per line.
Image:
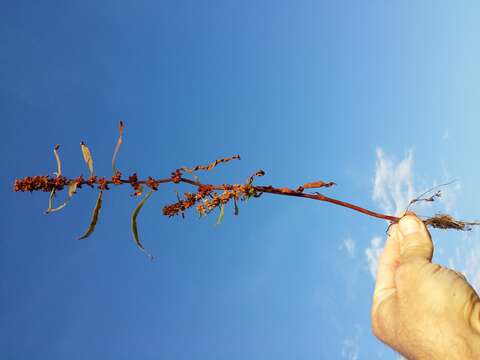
x=445 y=222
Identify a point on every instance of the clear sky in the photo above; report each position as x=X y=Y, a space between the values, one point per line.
x=380 y=97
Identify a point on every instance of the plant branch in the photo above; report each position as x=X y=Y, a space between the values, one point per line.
x=207 y=196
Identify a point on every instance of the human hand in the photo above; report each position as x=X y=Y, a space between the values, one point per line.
x=420 y=309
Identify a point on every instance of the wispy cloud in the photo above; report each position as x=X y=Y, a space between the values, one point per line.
x=372 y=254
x=350 y=347
x=449 y=193
x=393 y=183
x=349 y=245
x=466 y=258
x=393 y=189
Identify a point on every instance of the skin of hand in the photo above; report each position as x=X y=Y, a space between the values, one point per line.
x=423 y=310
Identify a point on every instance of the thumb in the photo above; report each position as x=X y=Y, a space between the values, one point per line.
x=415 y=240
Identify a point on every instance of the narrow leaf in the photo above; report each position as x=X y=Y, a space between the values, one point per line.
x=72 y=189
x=59 y=164
x=220 y=216
x=236 y=206
x=134 y=224
x=58 y=173
x=117 y=147
x=318 y=184
x=95 y=213
x=87 y=157
x=210 y=166
x=50 y=201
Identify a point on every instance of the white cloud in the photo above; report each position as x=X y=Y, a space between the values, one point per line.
x=349 y=245
x=350 y=347
x=393 y=183
x=449 y=193
x=373 y=253
x=466 y=258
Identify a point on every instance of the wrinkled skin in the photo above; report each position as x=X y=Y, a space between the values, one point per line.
x=420 y=309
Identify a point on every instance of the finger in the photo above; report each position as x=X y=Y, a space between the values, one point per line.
x=384 y=299
x=388 y=262
x=415 y=240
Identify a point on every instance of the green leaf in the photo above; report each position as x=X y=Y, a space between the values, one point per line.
x=220 y=216
x=87 y=157
x=117 y=147
x=95 y=213
x=134 y=224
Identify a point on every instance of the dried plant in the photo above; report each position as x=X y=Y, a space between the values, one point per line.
x=205 y=199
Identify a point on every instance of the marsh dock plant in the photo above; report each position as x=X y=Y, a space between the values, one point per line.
x=205 y=198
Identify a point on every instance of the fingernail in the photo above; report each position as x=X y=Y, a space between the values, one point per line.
x=409 y=225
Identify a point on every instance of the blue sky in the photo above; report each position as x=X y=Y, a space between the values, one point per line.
x=381 y=98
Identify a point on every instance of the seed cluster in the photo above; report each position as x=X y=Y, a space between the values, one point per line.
x=206 y=199
x=39 y=183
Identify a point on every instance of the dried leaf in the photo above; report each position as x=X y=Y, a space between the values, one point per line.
x=50 y=201
x=220 y=216
x=117 y=147
x=58 y=173
x=59 y=164
x=134 y=224
x=258 y=173
x=87 y=156
x=318 y=184
x=190 y=171
x=445 y=221
x=72 y=189
x=210 y=166
x=93 y=223
x=138 y=191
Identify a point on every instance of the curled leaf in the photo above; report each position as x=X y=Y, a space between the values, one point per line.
x=117 y=147
x=50 y=201
x=210 y=166
x=134 y=224
x=258 y=173
x=72 y=189
x=95 y=213
x=221 y=215
x=190 y=171
x=87 y=157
